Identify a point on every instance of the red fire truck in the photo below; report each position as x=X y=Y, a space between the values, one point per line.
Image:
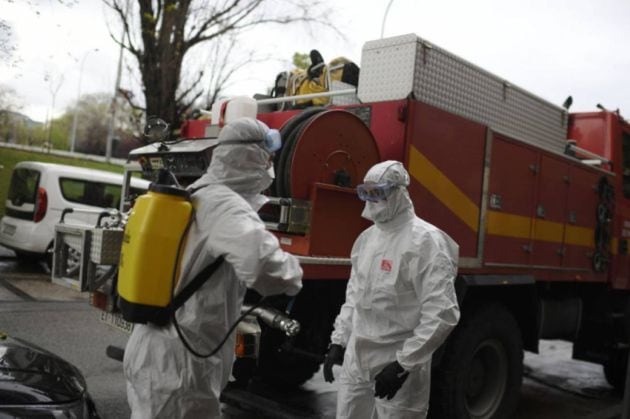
x=538 y=200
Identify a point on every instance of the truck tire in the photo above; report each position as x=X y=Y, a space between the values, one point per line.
x=282 y=369
x=481 y=370
x=615 y=370
x=285 y=369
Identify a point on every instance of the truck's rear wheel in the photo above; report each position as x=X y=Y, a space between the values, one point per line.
x=316 y=307
x=615 y=369
x=284 y=369
x=481 y=371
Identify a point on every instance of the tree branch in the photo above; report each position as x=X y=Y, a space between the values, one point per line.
x=131 y=103
x=123 y=18
x=193 y=85
x=215 y=17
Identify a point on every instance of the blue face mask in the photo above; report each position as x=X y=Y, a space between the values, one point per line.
x=271 y=143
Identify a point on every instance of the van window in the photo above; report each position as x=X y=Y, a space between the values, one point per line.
x=23 y=188
x=97 y=194
x=23 y=193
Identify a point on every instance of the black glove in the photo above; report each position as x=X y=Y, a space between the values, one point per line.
x=334 y=356
x=389 y=381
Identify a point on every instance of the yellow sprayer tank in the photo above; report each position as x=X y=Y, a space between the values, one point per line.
x=148 y=255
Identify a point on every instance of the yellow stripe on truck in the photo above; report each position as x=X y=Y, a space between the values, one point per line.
x=508 y=225
x=580 y=236
x=548 y=231
x=431 y=178
x=497 y=223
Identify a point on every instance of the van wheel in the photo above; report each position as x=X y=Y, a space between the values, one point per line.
x=48 y=258
x=481 y=372
x=25 y=257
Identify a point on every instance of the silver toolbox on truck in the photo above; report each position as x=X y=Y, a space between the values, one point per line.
x=394 y=68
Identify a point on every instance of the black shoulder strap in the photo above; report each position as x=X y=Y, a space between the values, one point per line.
x=193 y=190
x=194 y=285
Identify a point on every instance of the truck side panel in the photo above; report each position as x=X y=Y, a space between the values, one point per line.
x=510 y=208
x=445 y=155
x=550 y=214
x=580 y=230
x=539 y=214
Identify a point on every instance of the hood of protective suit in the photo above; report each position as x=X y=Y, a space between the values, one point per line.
x=243 y=167
x=398 y=204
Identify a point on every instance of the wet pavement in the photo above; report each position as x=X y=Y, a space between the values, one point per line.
x=554 y=386
x=59 y=319
x=30 y=281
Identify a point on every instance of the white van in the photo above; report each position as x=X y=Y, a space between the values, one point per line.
x=39 y=192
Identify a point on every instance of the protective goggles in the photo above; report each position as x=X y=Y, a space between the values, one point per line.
x=272 y=141
x=375 y=191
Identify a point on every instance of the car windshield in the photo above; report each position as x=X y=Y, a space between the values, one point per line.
x=23 y=189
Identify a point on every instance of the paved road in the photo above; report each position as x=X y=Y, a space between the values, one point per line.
x=61 y=321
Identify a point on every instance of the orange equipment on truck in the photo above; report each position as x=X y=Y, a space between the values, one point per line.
x=537 y=198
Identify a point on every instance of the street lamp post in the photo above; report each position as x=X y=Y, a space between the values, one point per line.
x=112 y=119
x=54 y=86
x=73 y=133
x=385 y=17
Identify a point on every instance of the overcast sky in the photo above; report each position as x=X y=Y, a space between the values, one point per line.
x=552 y=48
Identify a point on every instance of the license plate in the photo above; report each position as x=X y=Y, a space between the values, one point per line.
x=8 y=229
x=116 y=321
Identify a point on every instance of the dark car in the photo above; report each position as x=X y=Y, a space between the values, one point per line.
x=35 y=383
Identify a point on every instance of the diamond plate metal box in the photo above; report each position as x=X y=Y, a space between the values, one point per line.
x=394 y=68
x=106 y=244
x=345 y=99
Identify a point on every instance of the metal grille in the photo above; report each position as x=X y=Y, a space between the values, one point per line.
x=395 y=67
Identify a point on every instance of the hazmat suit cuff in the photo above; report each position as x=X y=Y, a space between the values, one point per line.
x=338 y=340
x=292 y=292
x=411 y=366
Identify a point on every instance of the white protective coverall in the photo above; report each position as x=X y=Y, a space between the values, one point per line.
x=164 y=380
x=400 y=304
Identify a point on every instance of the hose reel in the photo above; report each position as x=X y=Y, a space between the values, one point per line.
x=332 y=146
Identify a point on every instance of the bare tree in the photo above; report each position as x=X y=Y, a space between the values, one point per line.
x=9 y=100
x=223 y=65
x=7 y=45
x=9 y=106
x=168 y=29
x=92 y=117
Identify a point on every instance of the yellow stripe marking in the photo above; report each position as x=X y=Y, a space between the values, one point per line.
x=497 y=223
x=548 y=231
x=508 y=225
x=429 y=176
x=580 y=236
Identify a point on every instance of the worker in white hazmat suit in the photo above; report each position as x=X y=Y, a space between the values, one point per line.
x=164 y=380
x=400 y=305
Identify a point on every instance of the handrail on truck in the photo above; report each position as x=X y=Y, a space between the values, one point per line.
x=297 y=97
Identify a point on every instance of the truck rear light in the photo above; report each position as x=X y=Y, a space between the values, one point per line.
x=247 y=344
x=41 y=205
x=99 y=300
x=239 y=348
